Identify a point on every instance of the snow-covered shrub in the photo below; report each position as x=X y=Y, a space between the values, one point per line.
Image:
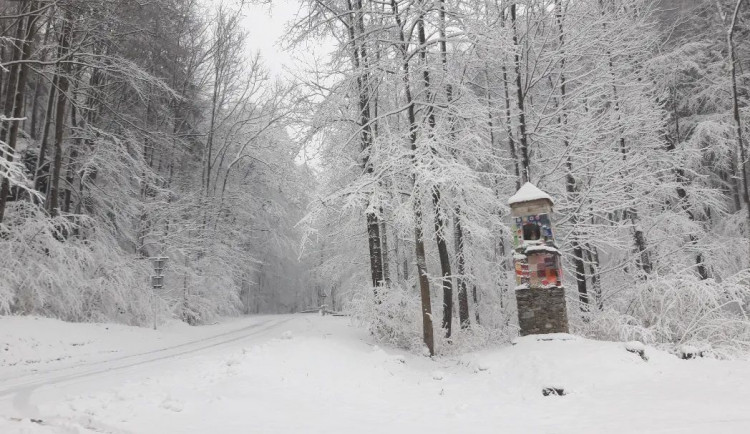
x=678 y=310
x=473 y=338
x=202 y=290
x=393 y=316
x=67 y=267
x=13 y=169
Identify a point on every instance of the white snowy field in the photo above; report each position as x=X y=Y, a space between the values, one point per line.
x=313 y=374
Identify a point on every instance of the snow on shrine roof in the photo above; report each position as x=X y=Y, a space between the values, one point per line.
x=527 y=193
x=535 y=249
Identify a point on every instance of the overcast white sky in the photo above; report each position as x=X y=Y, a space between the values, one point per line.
x=266 y=24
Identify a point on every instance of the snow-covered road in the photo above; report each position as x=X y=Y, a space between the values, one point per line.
x=23 y=392
x=312 y=374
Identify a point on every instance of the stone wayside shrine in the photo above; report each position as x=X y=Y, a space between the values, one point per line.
x=540 y=295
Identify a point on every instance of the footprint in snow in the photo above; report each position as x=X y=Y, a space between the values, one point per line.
x=172 y=405
x=398 y=358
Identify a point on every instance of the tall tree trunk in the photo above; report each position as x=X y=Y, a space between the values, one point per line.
x=397 y=254
x=570 y=183
x=19 y=94
x=406 y=265
x=12 y=85
x=2 y=56
x=682 y=181
x=424 y=282
x=38 y=85
x=592 y=257
x=630 y=213
x=508 y=115
x=62 y=81
x=360 y=63
x=443 y=255
x=385 y=255
x=463 y=298
x=736 y=116
x=41 y=161
x=445 y=264
x=73 y=154
x=525 y=162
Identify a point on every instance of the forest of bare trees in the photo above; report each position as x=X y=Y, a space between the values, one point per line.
x=139 y=129
x=631 y=114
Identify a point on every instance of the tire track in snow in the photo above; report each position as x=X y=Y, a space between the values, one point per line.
x=24 y=388
x=128 y=356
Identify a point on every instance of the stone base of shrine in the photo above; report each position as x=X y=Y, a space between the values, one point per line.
x=542 y=310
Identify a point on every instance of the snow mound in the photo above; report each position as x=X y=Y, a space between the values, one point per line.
x=558 y=337
x=481 y=365
x=399 y=358
x=635 y=346
x=172 y=405
x=287 y=335
x=562 y=361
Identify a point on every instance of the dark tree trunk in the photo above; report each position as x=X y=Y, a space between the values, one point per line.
x=72 y=155
x=463 y=300
x=443 y=255
x=736 y=117
x=508 y=119
x=630 y=213
x=592 y=257
x=12 y=85
x=18 y=97
x=682 y=181
x=570 y=183
x=38 y=85
x=463 y=296
x=41 y=161
x=63 y=71
x=359 y=60
x=424 y=282
x=385 y=253
x=406 y=266
x=525 y=162
x=376 y=257
x=2 y=56
x=445 y=265
x=475 y=299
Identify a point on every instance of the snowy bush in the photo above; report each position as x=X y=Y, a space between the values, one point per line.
x=47 y=267
x=392 y=316
x=473 y=338
x=672 y=311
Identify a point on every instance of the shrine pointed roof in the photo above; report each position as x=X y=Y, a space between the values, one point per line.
x=527 y=193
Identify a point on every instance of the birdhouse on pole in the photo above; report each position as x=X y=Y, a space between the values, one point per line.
x=540 y=295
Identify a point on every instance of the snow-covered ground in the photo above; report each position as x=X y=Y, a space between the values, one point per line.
x=313 y=374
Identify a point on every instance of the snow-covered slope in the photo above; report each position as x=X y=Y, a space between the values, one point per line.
x=312 y=374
